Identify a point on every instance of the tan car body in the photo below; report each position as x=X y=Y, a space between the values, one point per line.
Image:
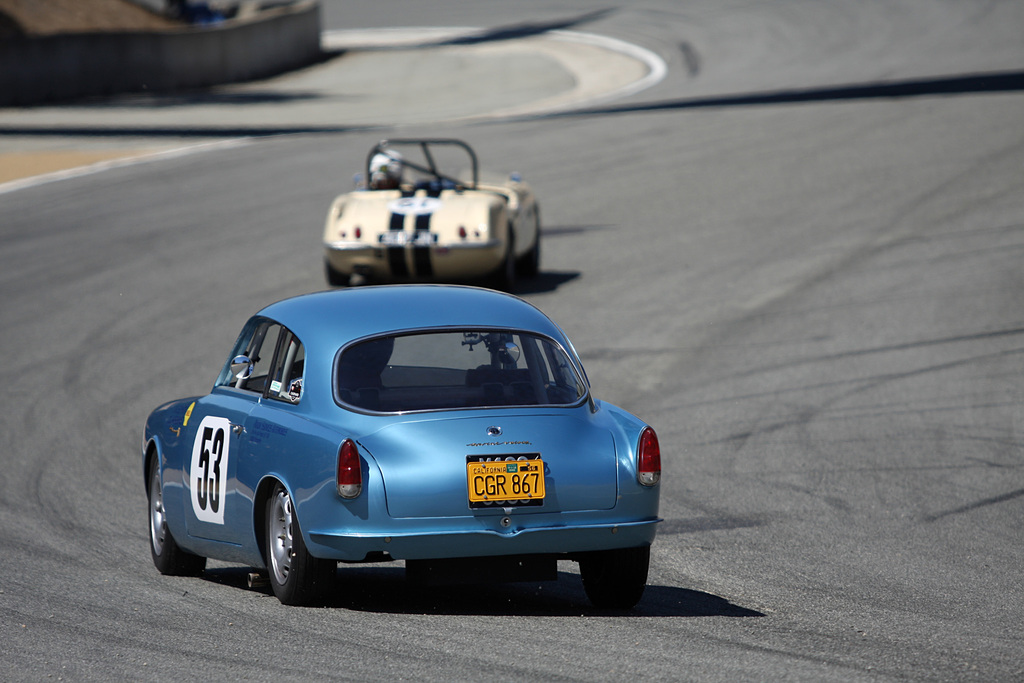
x=433 y=234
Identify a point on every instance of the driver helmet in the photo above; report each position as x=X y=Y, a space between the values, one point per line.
x=386 y=171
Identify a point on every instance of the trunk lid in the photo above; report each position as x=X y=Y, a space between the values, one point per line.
x=423 y=462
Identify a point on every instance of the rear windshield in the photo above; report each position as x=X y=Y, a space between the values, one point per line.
x=463 y=369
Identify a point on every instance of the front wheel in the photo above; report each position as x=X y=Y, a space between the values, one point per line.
x=615 y=579
x=168 y=557
x=297 y=577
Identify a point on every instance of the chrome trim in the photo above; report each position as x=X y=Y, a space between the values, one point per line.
x=489 y=244
x=361 y=246
x=348 y=246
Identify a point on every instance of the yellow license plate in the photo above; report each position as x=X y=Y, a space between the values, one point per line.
x=507 y=483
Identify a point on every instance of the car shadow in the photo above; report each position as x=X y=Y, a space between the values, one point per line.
x=384 y=589
x=544 y=281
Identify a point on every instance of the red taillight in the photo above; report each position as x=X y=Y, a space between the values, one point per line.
x=350 y=472
x=648 y=460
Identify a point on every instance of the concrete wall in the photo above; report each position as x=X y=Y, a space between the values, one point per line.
x=63 y=67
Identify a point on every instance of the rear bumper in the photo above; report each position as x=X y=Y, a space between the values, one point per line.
x=439 y=261
x=514 y=540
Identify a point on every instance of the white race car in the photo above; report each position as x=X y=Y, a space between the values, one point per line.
x=415 y=217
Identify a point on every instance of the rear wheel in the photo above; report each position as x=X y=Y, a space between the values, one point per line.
x=334 y=277
x=297 y=577
x=529 y=265
x=168 y=557
x=615 y=579
x=505 y=276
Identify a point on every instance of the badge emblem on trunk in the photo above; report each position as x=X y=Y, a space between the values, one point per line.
x=494 y=431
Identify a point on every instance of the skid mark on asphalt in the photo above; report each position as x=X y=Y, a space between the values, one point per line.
x=984 y=502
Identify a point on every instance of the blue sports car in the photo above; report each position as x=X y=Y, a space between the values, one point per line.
x=450 y=427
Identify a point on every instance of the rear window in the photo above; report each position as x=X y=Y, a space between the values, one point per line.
x=463 y=369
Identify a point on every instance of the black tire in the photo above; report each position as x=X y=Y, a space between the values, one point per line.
x=529 y=265
x=504 y=278
x=334 y=277
x=168 y=557
x=615 y=579
x=296 y=577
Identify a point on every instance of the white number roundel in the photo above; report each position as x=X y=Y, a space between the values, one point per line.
x=417 y=206
x=208 y=475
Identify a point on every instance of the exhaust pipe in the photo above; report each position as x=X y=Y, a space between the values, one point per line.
x=257 y=580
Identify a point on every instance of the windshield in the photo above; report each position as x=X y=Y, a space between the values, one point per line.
x=463 y=369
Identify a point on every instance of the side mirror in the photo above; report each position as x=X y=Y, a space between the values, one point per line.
x=509 y=354
x=241 y=367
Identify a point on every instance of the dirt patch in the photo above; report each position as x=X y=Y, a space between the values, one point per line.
x=18 y=165
x=47 y=17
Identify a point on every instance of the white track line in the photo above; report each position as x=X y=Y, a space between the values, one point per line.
x=373 y=39
x=657 y=68
x=131 y=160
x=412 y=37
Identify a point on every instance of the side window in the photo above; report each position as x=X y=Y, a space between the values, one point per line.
x=286 y=374
x=278 y=361
x=247 y=340
x=261 y=352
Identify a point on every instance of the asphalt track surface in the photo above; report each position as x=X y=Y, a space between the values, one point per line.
x=797 y=255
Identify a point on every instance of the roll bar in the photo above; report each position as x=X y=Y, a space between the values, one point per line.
x=425 y=144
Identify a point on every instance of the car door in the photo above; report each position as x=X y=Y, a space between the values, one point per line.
x=220 y=503
x=209 y=470
x=273 y=428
